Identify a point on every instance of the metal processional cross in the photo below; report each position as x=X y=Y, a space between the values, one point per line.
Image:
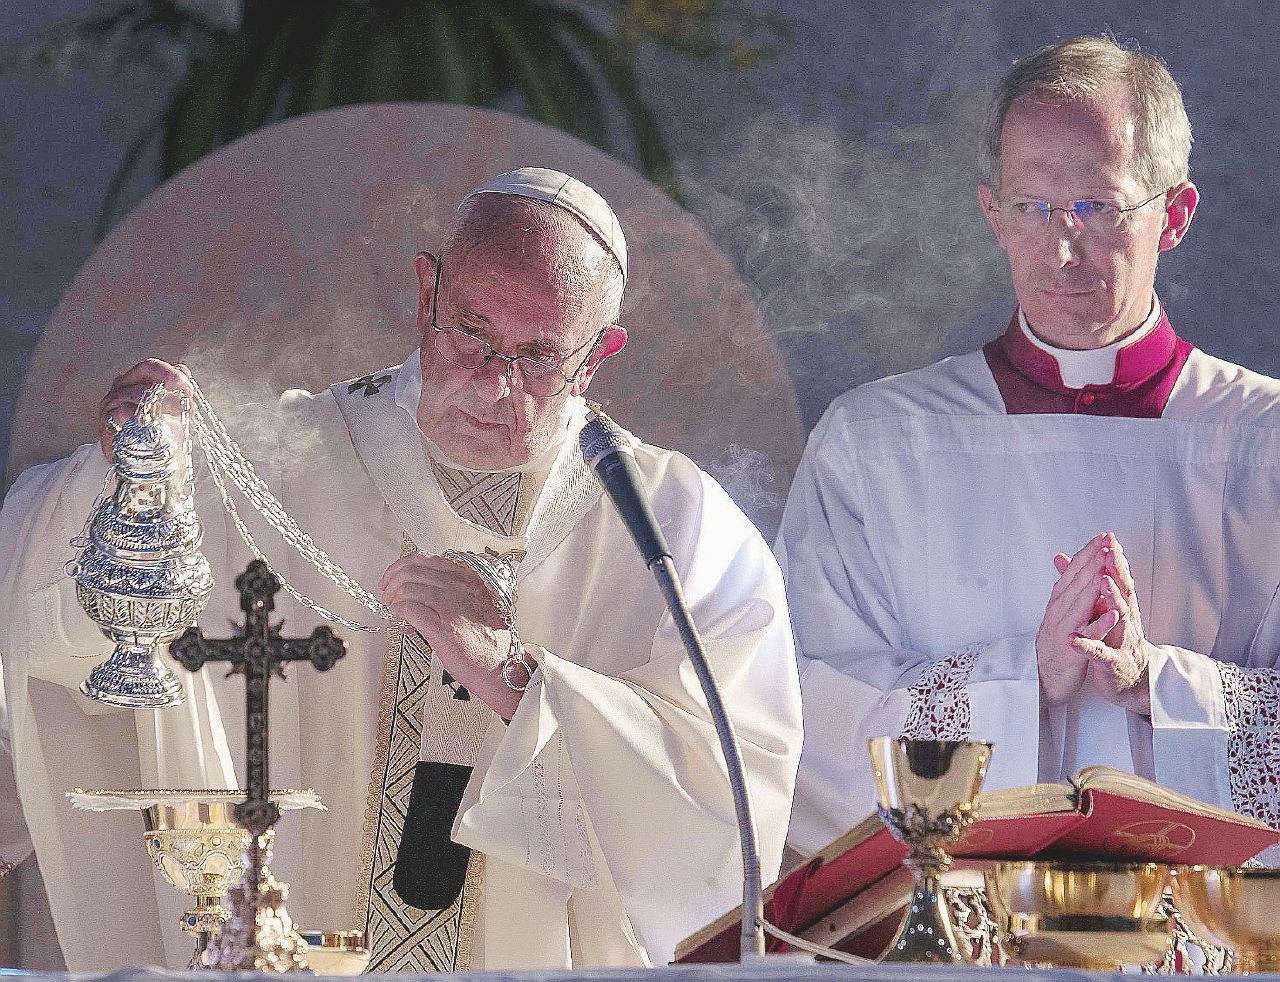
x=259 y=935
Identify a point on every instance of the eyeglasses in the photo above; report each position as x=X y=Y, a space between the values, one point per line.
x=535 y=376
x=1086 y=214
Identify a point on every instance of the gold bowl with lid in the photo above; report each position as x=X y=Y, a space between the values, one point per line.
x=1235 y=907
x=1081 y=915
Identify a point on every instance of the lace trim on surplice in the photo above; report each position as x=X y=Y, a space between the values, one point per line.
x=940 y=700
x=1252 y=701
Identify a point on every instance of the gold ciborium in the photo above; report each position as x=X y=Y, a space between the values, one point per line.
x=1235 y=907
x=927 y=791
x=1081 y=915
x=194 y=841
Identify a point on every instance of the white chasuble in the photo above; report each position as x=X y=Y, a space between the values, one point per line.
x=917 y=547
x=602 y=812
x=430 y=728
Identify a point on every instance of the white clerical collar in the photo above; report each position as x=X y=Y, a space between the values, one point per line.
x=409 y=394
x=1096 y=366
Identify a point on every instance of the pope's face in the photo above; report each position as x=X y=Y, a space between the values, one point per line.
x=1081 y=287
x=521 y=307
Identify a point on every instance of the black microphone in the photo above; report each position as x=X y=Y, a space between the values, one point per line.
x=607 y=448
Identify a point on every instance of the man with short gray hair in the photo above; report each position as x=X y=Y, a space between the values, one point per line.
x=1068 y=542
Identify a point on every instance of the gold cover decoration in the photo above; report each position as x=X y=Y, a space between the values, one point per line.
x=1081 y=915
x=927 y=791
x=1236 y=907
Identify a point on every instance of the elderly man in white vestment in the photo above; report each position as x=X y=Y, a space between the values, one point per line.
x=493 y=802
x=1068 y=542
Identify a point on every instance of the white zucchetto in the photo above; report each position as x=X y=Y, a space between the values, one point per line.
x=559 y=189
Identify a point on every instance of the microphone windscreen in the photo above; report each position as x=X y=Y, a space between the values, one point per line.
x=601 y=437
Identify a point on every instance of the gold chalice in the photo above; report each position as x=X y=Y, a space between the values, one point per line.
x=927 y=791
x=1235 y=907
x=336 y=952
x=1081 y=915
x=195 y=843
x=198 y=848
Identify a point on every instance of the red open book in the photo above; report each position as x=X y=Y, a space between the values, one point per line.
x=1102 y=814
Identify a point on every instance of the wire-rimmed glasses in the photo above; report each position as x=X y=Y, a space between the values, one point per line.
x=1087 y=214
x=539 y=378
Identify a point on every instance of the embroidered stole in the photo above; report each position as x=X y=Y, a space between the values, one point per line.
x=424 y=713
x=429 y=726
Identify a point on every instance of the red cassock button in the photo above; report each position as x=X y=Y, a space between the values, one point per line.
x=1088 y=398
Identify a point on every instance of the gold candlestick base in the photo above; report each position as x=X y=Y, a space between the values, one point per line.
x=259 y=934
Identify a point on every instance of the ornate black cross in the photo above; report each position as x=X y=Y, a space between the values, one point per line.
x=257 y=651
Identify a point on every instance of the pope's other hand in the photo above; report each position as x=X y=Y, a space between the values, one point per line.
x=453 y=610
x=1118 y=665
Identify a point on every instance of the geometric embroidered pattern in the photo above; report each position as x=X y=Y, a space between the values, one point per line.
x=1252 y=702
x=491 y=501
x=403 y=938
x=940 y=699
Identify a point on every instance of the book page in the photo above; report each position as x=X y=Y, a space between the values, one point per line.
x=1132 y=786
x=1030 y=799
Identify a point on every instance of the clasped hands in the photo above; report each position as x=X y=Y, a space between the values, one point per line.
x=1092 y=629
x=453 y=610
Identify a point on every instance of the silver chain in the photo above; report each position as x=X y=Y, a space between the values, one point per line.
x=227 y=463
x=80 y=541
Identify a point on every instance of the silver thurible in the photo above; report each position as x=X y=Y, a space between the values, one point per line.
x=139 y=571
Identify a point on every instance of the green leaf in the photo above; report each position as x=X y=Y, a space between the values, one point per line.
x=573 y=89
x=444 y=58
x=258 y=87
x=316 y=90
x=488 y=70
x=420 y=79
x=528 y=73
x=194 y=119
x=620 y=76
x=384 y=65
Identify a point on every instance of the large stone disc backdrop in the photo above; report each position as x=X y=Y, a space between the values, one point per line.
x=285 y=260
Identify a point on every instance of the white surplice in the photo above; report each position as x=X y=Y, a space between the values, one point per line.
x=602 y=810
x=15 y=841
x=917 y=549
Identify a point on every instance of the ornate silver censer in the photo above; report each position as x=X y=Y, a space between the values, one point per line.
x=139 y=572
